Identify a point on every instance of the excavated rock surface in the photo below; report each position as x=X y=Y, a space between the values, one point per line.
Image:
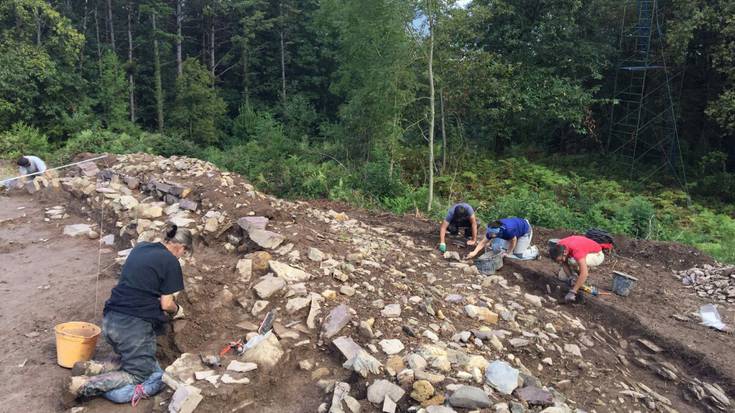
x=367 y=318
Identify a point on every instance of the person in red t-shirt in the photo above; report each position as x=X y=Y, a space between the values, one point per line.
x=580 y=252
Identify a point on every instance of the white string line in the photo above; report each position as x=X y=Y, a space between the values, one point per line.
x=54 y=169
x=99 y=257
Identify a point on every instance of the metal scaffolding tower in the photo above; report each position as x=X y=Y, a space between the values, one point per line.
x=643 y=118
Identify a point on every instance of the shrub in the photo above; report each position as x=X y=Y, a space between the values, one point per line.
x=642 y=216
x=167 y=145
x=22 y=139
x=411 y=201
x=539 y=207
x=243 y=126
x=375 y=178
x=98 y=141
x=299 y=117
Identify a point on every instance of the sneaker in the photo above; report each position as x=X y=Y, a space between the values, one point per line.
x=89 y=368
x=71 y=388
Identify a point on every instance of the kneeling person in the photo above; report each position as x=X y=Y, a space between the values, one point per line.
x=578 y=252
x=134 y=315
x=516 y=235
x=460 y=216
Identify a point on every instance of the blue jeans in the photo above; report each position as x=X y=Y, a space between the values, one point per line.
x=134 y=340
x=124 y=394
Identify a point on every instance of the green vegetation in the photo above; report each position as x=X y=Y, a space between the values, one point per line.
x=513 y=186
x=347 y=99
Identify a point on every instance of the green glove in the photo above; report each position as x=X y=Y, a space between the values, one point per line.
x=443 y=247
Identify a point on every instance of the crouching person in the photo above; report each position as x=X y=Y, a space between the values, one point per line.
x=135 y=313
x=576 y=254
x=513 y=235
x=459 y=217
x=29 y=164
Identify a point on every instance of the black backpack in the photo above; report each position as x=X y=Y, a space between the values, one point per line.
x=600 y=236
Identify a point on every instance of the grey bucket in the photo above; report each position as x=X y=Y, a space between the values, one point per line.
x=489 y=262
x=623 y=283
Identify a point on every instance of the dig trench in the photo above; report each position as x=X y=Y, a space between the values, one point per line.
x=697 y=351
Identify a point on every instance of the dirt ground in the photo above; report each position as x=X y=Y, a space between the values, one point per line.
x=46 y=278
x=36 y=254
x=655 y=310
x=657 y=298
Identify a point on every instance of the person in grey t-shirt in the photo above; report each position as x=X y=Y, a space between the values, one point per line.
x=459 y=216
x=30 y=164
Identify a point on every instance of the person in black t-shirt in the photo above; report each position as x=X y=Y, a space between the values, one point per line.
x=136 y=311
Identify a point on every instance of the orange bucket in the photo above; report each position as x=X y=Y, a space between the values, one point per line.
x=75 y=341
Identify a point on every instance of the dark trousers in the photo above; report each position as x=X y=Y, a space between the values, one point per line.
x=134 y=340
x=455 y=226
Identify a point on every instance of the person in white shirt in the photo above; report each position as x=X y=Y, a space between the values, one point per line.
x=30 y=164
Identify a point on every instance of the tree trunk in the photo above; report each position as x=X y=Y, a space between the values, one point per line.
x=431 y=106
x=97 y=34
x=211 y=48
x=84 y=32
x=283 y=58
x=157 y=76
x=392 y=142
x=179 y=22
x=444 y=131
x=245 y=83
x=110 y=24
x=131 y=81
x=203 y=50
x=39 y=27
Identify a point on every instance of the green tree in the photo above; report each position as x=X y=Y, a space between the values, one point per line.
x=198 y=110
x=38 y=51
x=374 y=75
x=722 y=20
x=253 y=21
x=112 y=94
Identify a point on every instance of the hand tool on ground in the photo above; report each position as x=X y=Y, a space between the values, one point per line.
x=267 y=323
x=593 y=291
x=240 y=345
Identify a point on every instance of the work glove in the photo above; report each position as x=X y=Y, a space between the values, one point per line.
x=570 y=297
x=443 y=247
x=179 y=313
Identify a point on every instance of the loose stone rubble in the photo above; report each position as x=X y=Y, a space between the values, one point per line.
x=420 y=332
x=714 y=282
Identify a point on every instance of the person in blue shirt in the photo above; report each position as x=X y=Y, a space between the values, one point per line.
x=139 y=307
x=459 y=216
x=514 y=234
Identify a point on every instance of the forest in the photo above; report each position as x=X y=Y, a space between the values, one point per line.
x=517 y=106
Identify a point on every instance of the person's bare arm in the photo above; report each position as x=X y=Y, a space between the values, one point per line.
x=480 y=246
x=583 y=273
x=513 y=243
x=443 y=231
x=473 y=222
x=168 y=304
